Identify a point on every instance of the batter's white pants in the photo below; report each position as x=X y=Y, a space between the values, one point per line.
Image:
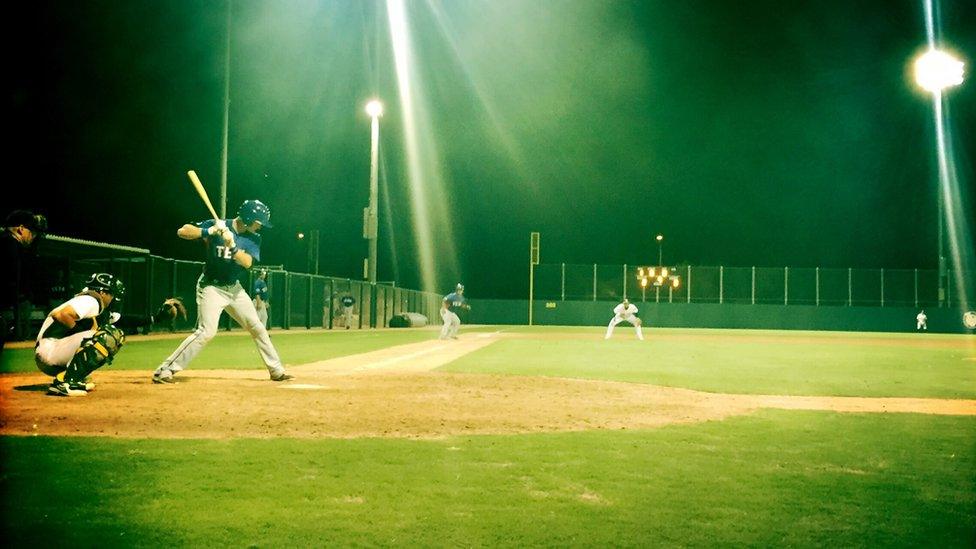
x=451 y=324
x=630 y=319
x=52 y=355
x=211 y=300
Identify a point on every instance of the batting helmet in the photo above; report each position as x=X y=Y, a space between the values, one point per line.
x=255 y=210
x=104 y=282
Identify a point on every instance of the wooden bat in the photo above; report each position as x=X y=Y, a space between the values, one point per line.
x=202 y=192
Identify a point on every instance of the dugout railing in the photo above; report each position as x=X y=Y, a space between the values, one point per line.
x=753 y=285
x=297 y=300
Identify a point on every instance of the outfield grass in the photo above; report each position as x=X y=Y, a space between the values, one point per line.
x=776 y=478
x=238 y=351
x=763 y=362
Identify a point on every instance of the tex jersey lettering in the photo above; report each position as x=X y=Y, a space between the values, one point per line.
x=220 y=268
x=454 y=302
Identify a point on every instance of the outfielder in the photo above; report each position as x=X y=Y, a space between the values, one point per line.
x=452 y=303
x=233 y=245
x=625 y=312
x=921 y=321
x=78 y=336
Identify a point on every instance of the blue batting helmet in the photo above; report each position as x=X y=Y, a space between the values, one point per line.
x=255 y=210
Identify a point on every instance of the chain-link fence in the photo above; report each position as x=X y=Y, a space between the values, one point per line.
x=296 y=300
x=750 y=285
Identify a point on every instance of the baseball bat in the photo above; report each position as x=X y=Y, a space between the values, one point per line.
x=202 y=192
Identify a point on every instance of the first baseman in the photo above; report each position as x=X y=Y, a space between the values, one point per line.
x=233 y=245
x=625 y=312
x=452 y=303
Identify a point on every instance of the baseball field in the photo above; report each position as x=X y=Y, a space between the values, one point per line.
x=508 y=436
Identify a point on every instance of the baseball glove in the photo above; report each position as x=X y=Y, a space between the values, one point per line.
x=170 y=310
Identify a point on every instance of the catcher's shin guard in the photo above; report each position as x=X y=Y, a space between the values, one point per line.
x=94 y=352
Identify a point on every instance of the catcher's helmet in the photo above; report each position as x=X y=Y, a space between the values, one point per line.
x=104 y=282
x=255 y=210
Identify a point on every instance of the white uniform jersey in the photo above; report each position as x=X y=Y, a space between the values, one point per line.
x=625 y=311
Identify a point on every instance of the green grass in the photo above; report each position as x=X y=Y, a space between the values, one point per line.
x=230 y=351
x=777 y=478
x=714 y=360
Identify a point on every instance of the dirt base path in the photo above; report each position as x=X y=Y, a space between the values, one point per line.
x=386 y=393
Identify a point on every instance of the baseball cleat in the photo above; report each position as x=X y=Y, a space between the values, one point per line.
x=68 y=389
x=281 y=376
x=164 y=376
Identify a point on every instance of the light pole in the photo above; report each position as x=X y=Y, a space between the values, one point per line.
x=660 y=250
x=935 y=71
x=370 y=215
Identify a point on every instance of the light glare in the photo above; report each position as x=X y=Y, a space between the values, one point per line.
x=374 y=108
x=936 y=70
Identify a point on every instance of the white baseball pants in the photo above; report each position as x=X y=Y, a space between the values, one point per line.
x=630 y=319
x=451 y=324
x=211 y=300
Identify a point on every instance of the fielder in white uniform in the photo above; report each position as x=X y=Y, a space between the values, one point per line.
x=452 y=303
x=625 y=312
x=921 y=318
x=233 y=245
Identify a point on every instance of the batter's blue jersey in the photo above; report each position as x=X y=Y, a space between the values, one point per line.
x=454 y=301
x=219 y=268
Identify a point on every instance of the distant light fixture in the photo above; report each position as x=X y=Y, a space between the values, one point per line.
x=660 y=237
x=936 y=70
x=301 y=236
x=374 y=108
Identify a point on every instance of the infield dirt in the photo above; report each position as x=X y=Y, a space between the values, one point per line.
x=393 y=392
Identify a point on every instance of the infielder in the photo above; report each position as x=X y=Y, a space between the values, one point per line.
x=261 y=297
x=78 y=336
x=452 y=303
x=233 y=245
x=625 y=312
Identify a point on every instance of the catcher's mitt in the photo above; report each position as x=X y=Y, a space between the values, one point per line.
x=170 y=310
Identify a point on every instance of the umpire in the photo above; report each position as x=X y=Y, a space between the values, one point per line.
x=22 y=230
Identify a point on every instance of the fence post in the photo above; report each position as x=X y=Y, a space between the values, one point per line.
x=562 y=291
x=689 y=283
x=817 y=282
x=882 y=287
x=786 y=285
x=850 y=282
x=721 y=284
x=625 y=281
x=916 y=288
x=594 y=282
x=753 y=284
x=286 y=321
x=308 y=304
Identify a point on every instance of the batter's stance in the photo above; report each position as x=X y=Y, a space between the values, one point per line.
x=233 y=245
x=453 y=302
x=625 y=312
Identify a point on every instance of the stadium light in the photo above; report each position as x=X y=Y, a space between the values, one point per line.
x=660 y=252
x=374 y=108
x=936 y=70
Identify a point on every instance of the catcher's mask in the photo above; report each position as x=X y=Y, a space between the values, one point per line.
x=255 y=210
x=104 y=282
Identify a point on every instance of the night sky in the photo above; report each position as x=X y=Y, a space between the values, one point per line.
x=748 y=132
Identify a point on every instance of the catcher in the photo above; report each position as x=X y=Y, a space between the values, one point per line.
x=83 y=334
x=78 y=337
